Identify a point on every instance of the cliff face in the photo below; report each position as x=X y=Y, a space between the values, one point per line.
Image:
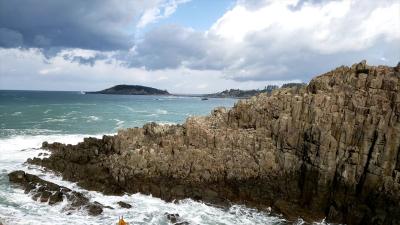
x=331 y=149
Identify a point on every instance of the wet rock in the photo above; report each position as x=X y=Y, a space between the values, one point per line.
x=55 y=198
x=182 y=223
x=94 y=209
x=45 y=191
x=173 y=218
x=124 y=205
x=329 y=149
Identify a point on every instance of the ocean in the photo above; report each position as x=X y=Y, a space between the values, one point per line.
x=27 y=118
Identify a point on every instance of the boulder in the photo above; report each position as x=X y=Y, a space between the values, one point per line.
x=124 y=205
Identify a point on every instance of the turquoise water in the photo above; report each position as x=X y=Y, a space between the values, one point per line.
x=27 y=118
x=42 y=112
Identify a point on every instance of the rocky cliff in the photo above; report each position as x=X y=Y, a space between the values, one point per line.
x=330 y=149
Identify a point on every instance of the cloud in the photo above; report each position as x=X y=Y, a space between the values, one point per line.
x=10 y=38
x=253 y=43
x=160 y=11
x=103 y=25
x=27 y=70
x=277 y=40
x=49 y=70
x=167 y=47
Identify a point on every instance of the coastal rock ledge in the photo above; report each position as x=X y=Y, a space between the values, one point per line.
x=328 y=150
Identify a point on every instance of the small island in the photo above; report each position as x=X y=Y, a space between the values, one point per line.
x=124 y=89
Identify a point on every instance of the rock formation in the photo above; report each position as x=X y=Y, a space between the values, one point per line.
x=330 y=149
x=47 y=192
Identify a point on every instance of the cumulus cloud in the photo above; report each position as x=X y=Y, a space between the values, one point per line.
x=275 y=40
x=253 y=43
x=168 y=47
x=26 y=69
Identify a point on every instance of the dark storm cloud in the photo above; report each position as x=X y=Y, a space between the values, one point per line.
x=97 y=25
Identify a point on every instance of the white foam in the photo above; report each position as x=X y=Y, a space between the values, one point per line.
x=51 y=120
x=162 y=111
x=18 y=208
x=16 y=113
x=119 y=123
x=92 y=118
x=16 y=149
x=131 y=109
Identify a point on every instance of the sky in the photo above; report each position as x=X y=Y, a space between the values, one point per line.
x=189 y=46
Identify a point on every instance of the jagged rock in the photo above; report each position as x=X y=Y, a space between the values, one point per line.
x=94 y=209
x=124 y=205
x=362 y=67
x=173 y=218
x=45 y=191
x=330 y=149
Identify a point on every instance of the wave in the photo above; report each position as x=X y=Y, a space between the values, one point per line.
x=119 y=123
x=19 y=208
x=162 y=111
x=92 y=118
x=33 y=131
x=71 y=113
x=16 y=113
x=132 y=109
x=51 y=120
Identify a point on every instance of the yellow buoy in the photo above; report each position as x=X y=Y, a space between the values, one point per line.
x=122 y=221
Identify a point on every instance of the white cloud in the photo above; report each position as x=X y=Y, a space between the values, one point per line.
x=328 y=27
x=50 y=70
x=163 y=10
x=253 y=44
x=25 y=70
x=202 y=86
x=278 y=40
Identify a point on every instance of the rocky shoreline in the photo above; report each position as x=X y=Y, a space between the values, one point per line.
x=328 y=150
x=50 y=193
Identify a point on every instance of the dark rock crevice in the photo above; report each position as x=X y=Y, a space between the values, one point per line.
x=361 y=182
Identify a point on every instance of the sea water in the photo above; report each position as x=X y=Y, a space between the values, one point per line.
x=27 y=118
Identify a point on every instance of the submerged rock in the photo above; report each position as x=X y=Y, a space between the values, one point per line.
x=94 y=209
x=173 y=218
x=329 y=149
x=124 y=205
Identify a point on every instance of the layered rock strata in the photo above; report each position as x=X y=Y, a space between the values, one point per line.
x=330 y=149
